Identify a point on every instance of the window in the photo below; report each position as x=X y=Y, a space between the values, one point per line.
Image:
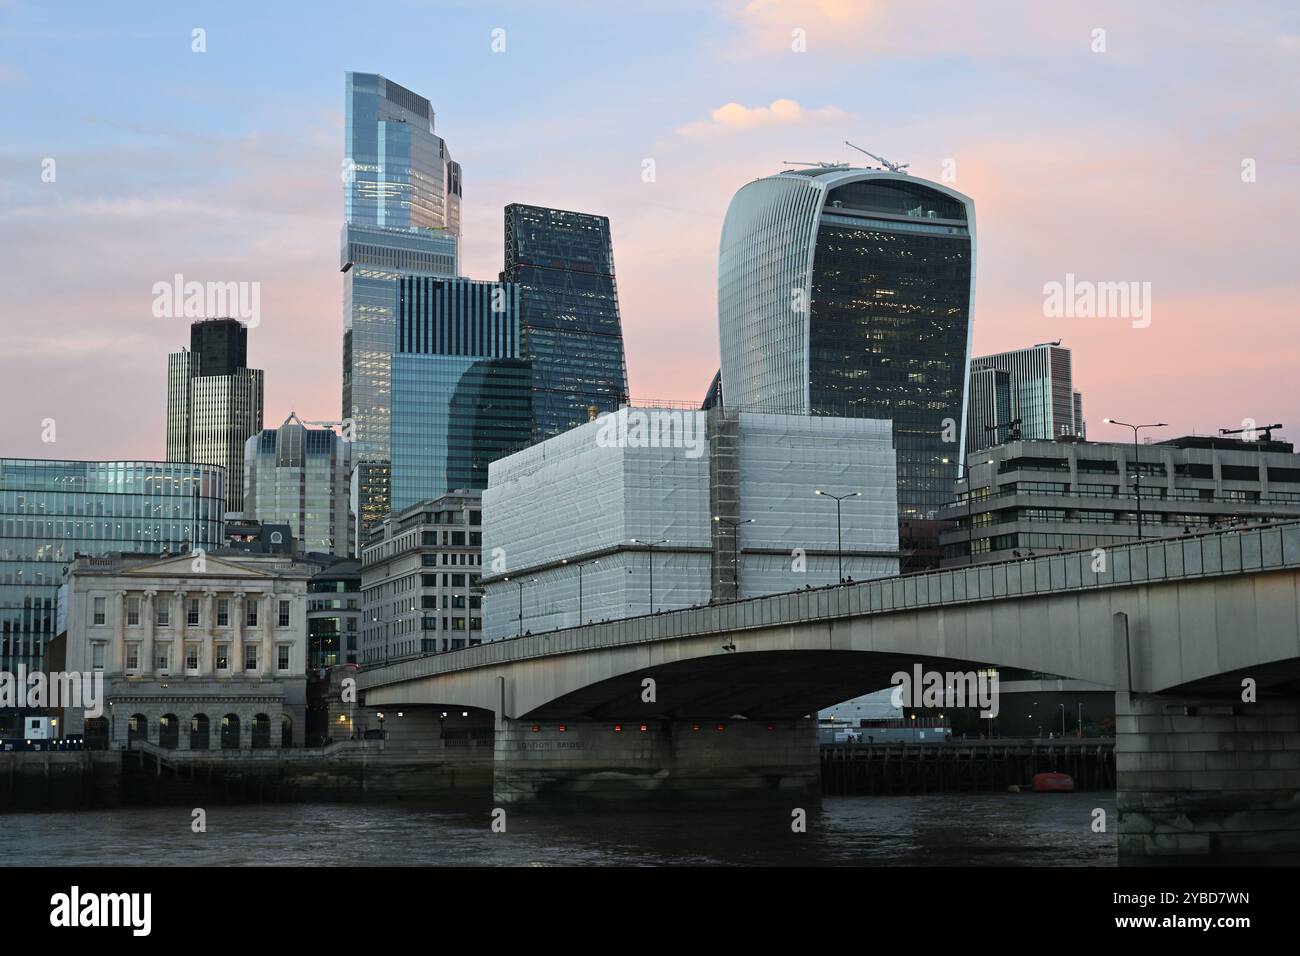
x=192 y=616
x=458 y=538
x=428 y=560
x=223 y=657
x=133 y=611
x=250 y=618
x=164 y=612
x=223 y=613
x=458 y=624
x=97 y=656
x=191 y=657
x=250 y=657
x=429 y=602
x=458 y=600
x=458 y=580
x=284 y=614
x=132 y=657
x=282 y=661
x=99 y=610
x=160 y=659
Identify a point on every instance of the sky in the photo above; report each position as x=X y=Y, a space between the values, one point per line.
x=1116 y=142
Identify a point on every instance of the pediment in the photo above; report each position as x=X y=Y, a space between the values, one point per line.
x=183 y=565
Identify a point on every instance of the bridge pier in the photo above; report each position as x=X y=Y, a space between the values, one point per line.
x=611 y=763
x=1207 y=780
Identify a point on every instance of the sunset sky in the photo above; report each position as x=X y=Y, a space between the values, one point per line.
x=1122 y=165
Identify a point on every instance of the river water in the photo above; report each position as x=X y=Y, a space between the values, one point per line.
x=937 y=829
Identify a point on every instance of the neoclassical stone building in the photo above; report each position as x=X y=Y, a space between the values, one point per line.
x=199 y=652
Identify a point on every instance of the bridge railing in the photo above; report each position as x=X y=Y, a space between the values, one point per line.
x=1233 y=551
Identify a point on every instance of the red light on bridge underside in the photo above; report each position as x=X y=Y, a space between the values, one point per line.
x=722 y=726
x=644 y=728
x=770 y=727
x=563 y=728
x=618 y=728
x=537 y=729
x=695 y=727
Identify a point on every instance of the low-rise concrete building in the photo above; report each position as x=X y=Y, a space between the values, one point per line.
x=1027 y=497
x=657 y=509
x=420 y=580
x=201 y=651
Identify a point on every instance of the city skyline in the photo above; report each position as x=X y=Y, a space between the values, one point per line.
x=1053 y=141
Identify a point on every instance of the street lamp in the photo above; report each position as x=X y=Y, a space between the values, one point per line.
x=839 y=536
x=520 y=582
x=650 y=546
x=580 y=566
x=964 y=475
x=735 y=524
x=1137 y=471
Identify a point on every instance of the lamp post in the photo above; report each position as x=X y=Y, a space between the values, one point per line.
x=520 y=582
x=964 y=475
x=1137 y=471
x=1062 y=706
x=839 y=536
x=650 y=546
x=735 y=524
x=580 y=566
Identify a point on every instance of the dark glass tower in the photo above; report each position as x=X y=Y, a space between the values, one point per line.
x=563 y=263
x=220 y=344
x=461 y=394
x=848 y=292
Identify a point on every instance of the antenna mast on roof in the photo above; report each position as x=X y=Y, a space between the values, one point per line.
x=892 y=167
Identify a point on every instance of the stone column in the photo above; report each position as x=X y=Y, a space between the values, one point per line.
x=207 y=650
x=119 y=633
x=268 y=635
x=238 y=610
x=177 y=661
x=146 y=648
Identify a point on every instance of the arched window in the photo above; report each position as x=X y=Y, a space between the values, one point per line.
x=169 y=731
x=286 y=730
x=261 y=731
x=230 y=732
x=199 y=732
x=137 y=728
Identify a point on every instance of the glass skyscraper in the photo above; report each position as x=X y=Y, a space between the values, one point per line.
x=461 y=394
x=1040 y=393
x=300 y=476
x=848 y=292
x=53 y=510
x=214 y=401
x=570 y=328
x=401 y=206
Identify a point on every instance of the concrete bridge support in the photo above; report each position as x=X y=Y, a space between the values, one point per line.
x=1207 y=780
x=593 y=763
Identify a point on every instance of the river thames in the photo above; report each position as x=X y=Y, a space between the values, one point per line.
x=938 y=829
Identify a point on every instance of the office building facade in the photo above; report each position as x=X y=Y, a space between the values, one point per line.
x=334 y=613
x=51 y=511
x=300 y=476
x=598 y=524
x=1068 y=495
x=420 y=572
x=570 y=328
x=848 y=292
x=192 y=659
x=214 y=402
x=402 y=196
x=461 y=394
x=1027 y=394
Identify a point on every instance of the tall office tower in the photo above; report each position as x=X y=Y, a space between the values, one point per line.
x=988 y=408
x=401 y=208
x=569 y=322
x=214 y=401
x=461 y=394
x=50 y=511
x=301 y=476
x=848 y=292
x=1040 y=393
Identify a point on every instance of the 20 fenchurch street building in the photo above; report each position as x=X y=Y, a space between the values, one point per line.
x=845 y=291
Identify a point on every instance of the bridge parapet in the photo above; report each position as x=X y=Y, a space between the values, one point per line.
x=1223 y=553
